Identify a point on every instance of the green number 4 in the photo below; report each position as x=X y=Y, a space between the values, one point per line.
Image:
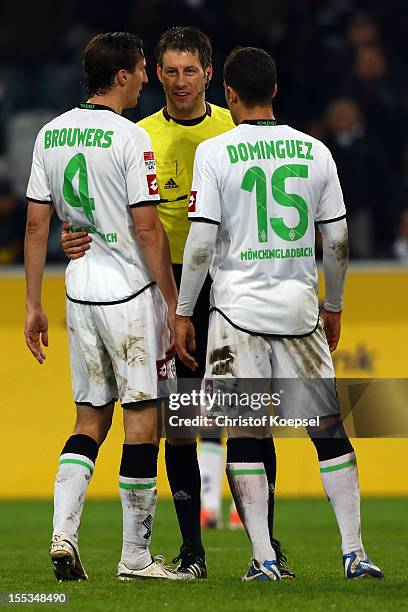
x=80 y=199
x=255 y=177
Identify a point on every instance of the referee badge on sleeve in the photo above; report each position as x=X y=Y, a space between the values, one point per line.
x=193 y=200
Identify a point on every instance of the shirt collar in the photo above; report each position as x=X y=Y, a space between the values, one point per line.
x=195 y=121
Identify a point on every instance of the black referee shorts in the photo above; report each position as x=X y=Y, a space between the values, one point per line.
x=200 y=321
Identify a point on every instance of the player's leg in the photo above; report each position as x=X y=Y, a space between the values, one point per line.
x=135 y=334
x=137 y=486
x=249 y=488
x=93 y=394
x=339 y=474
x=302 y=359
x=232 y=352
x=212 y=461
x=182 y=466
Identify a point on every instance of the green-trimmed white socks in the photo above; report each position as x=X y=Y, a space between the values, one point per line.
x=249 y=488
x=340 y=482
x=71 y=483
x=138 y=497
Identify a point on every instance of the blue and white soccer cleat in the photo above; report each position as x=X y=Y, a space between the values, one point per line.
x=269 y=570
x=358 y=566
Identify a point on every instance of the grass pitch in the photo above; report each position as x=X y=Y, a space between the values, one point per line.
x=306 y=527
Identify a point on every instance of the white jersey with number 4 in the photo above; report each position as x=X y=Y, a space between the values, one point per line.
x=266 y=185
x=94 y=165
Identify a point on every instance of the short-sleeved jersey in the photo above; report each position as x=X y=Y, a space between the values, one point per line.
x=266 y=186
x=175 y=143
x=94 y=165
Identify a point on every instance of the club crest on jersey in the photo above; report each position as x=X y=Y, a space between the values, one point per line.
x=152 y=184
x=150 y=162
x=161 y=367
x=193 y=201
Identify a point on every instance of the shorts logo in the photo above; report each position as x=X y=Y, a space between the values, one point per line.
x=209 y=386
x=161 y=367
x=193 y=200
x=148 y=155
x=152 y=184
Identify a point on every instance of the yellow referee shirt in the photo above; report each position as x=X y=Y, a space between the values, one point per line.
x=174 y=144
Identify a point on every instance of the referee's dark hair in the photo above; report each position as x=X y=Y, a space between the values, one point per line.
x=187 y=39
x=105 y=55
x=252 y=73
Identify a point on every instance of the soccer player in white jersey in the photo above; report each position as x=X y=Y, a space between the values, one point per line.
x=257 y=192
x=97 y=170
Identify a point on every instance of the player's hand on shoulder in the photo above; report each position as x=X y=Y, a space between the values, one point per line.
x=74 y=244
x=332 y=325
x=36 y=332
x=185 y=341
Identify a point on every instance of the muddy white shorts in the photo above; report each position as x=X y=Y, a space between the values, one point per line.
x=300 y=370
x=118 y=351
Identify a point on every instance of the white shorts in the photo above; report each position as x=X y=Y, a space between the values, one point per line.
x=303 y=367
x=118 y=351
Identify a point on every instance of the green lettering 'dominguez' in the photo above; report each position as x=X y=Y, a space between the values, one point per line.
x=80 y=199
x=289 y=199
x=255 y=176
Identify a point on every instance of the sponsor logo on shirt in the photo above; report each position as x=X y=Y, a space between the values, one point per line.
x=161 y=367
x=171 y=184
x=152 y=184
x=193 y=200
x=149 y=161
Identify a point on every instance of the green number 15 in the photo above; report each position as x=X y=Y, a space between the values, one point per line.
x=256 y=177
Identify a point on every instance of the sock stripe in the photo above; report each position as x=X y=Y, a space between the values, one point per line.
x=216 y=449
x=247 y=472
x=339 y=466
x=78 y=462
x=137 y=486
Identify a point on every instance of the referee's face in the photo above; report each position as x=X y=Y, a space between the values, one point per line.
x=184 y=81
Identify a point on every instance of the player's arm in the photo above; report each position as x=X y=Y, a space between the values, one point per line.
x=205 y=213
x=153 y=243
x=335 y=262
x=197 y=257
x=74 y=244
x=35 y=250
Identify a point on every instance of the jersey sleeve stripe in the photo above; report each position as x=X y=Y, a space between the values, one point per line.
x=145 y=203
x=331 y=220
x=203 y=220
x=39 y=201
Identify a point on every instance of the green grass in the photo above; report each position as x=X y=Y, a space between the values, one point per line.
x=306 y=527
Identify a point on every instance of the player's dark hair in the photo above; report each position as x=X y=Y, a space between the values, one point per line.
x=188 y=39
x=105 y=55
x=252 y=73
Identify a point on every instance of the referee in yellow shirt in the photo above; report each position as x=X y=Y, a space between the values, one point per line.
x=185 y=70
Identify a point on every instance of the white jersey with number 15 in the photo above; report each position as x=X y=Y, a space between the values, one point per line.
x=266 y=186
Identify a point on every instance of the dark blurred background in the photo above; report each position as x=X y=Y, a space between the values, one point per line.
x=341 y=78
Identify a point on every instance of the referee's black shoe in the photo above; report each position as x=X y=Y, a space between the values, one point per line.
x=285 y=572
x=189 y=563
